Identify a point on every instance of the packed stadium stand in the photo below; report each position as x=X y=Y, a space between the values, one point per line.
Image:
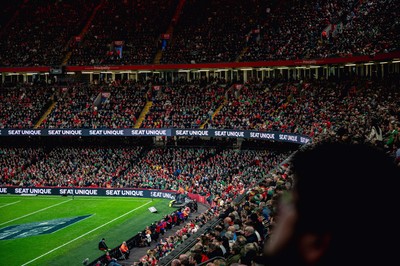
x=208 y=98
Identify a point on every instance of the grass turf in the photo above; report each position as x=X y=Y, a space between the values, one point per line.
x=116 y=219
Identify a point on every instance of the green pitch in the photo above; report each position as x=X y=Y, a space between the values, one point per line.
x=55 y=230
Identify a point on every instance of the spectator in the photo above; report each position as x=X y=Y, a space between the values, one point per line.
x=234 y=255
x=214 y=250
x=324 y=220
x=249 y=253
x=102 y=245
x=250 y=234
x=184 y=259
x=113 y=262
x=259 y=230
x=148 y=236
x=176 y=262
x=198 y=254
x=124 y=250
x=110 y=261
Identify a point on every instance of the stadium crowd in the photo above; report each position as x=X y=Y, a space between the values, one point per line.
x=202 y=171
x=183 y=106
x=31 y=100
x=90 y=33
x=40 y=32
x=240 y=234
x=361 y=110
x=316 y=108
x=116 y=105
x=202 y=32
x=124 y=33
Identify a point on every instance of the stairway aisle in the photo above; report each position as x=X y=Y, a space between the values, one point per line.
x=137 y=253
x=48 y=111
x=143 y=114
x=83 y=31
x=170 y=29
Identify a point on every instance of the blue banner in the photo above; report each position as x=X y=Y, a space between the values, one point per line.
x=74 y=191
x=166 y=132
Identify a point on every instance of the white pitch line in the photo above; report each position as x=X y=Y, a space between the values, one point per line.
x=23 y=216
x=10 y=204
x=91 y=231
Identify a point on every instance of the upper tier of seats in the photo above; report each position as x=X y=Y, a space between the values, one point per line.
x=93 y=32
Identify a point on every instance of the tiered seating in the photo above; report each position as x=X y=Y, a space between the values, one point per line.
x=83 y=167
x=372 y=29
x=207 y=31
x=119 y=106
x=42 y=29
x=205 y=171
x=23 y=105
x=287 y=37
x=7 y=12
x=183 y=106
x=13 y=164
x=322 y=109
x=318 y=109
x=314 y=108
x=137 y=25
x=212 y=31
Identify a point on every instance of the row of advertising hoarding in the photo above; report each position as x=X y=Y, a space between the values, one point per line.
x=161 y=132
x=91 y=191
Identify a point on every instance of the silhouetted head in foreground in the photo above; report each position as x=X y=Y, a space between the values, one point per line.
x=341 y=210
